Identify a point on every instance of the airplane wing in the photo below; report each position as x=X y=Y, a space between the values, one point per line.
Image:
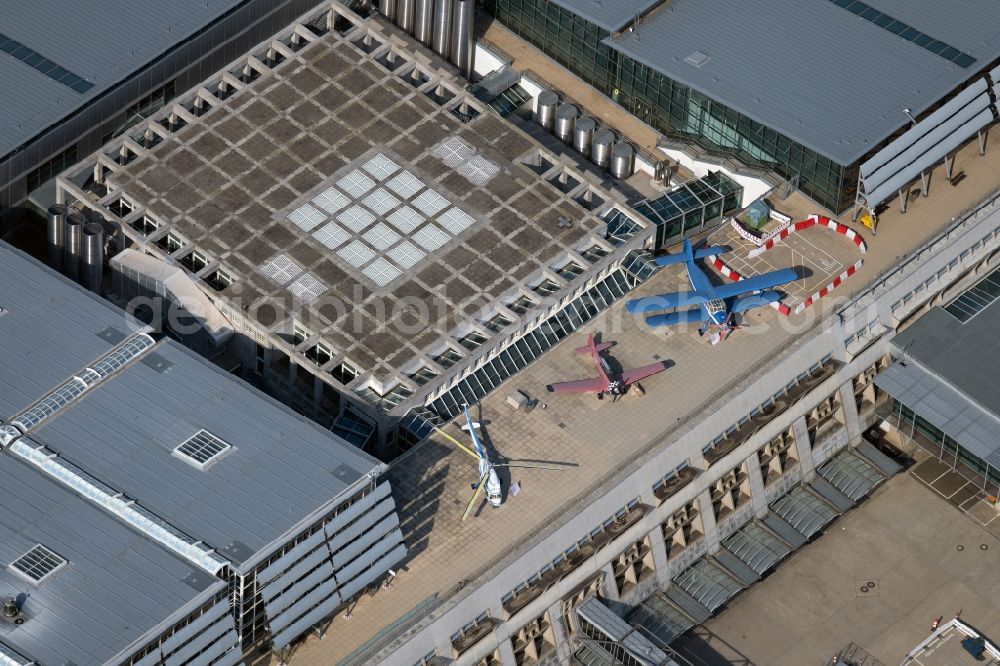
x=703 y=252
x=595 y=385
x=756 y=283
x=632 y=376
x=695 y=316
x=479 y=491
x=755 y=301
x=679 y=299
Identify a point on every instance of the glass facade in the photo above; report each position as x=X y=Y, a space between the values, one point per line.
x=678 y=111
x=692 y=207
x=950 y=450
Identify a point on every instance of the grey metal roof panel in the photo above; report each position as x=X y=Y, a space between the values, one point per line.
x=943 y=406
x=49 y=329
x=612 y=15
x=965 y=356
x=278 y=472
x=116 y=589
x=104 y=43
x=802 y=67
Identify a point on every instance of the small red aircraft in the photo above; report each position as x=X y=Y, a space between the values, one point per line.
x=607 y=381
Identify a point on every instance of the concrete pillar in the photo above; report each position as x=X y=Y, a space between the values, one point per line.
x=708 y=520
x=506 y=651
x=852 y=421
x=560 y=633
x=757 y=497
x=610 y=586
x=801 y=433
x=925 y=183
x=659 y=552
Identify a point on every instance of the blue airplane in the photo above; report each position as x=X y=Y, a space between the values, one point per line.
x=716 y=305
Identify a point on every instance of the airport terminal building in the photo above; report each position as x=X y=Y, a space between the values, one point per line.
x=157 y=510
x=275 y=183
x=806 y=90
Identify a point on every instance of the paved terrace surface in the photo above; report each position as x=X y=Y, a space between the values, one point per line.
x=431 y=482
x=906 y=540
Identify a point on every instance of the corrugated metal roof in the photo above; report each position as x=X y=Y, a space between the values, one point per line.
x=282 y=466
x=612 y=15
x=102 y=42
x=116 y=588
x=830 y=80
x=48 y=330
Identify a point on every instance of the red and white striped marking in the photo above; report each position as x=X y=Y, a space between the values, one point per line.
x=821 y=220
x=736 y=277
x=851 y=270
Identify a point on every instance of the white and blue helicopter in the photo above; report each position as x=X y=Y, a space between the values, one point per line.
x=489 y=480
x=716 y=305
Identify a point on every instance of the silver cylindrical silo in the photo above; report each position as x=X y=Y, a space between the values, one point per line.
x=72 y=240
x=462 y=47
x=423 y=21
x=583 y=135
x=545 y=109
x=54 y=234
x=441 y=39
x=389 y=10
x=404 y=14
x=92 y=256
x=565 y=120
x=622 y=160
x=600 y=151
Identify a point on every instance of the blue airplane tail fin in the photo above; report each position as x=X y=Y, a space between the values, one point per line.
x=684 y=256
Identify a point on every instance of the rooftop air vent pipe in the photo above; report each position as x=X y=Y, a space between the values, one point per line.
x=72 y=239
x=462 y=48
x=54 y=234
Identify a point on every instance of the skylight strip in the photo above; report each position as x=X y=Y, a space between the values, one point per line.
x=903 y=31
x=51 y=466
x=34 y=59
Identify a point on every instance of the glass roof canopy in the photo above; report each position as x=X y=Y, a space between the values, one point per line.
x=691 y=207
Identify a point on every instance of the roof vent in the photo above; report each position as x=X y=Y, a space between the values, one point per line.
x=11 y=612
x=697 y=59
x=201 y=449
x=38 y=564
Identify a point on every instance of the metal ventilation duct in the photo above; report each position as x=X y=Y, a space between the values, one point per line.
x=92 y=256
x=54 y=234
x=583 y=135
x=600 y=153
x=622 y=160
x=462 y=48
x=545 y=109
x=441 y=39
x=565 y=121
x=404 y=14
x=423 y=21
x=72 y=244
x=389 y=10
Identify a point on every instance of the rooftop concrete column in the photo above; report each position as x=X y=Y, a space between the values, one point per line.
x=506 y=651
x=757 y=497
x=610 y=585
x=708 y=520
x=849 y=407
x=659 y=552
x=560 y=633
x=801 y=433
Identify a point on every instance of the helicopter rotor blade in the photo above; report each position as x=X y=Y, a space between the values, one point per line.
x=554 y=467
x=457 y=443
x=472 y=502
